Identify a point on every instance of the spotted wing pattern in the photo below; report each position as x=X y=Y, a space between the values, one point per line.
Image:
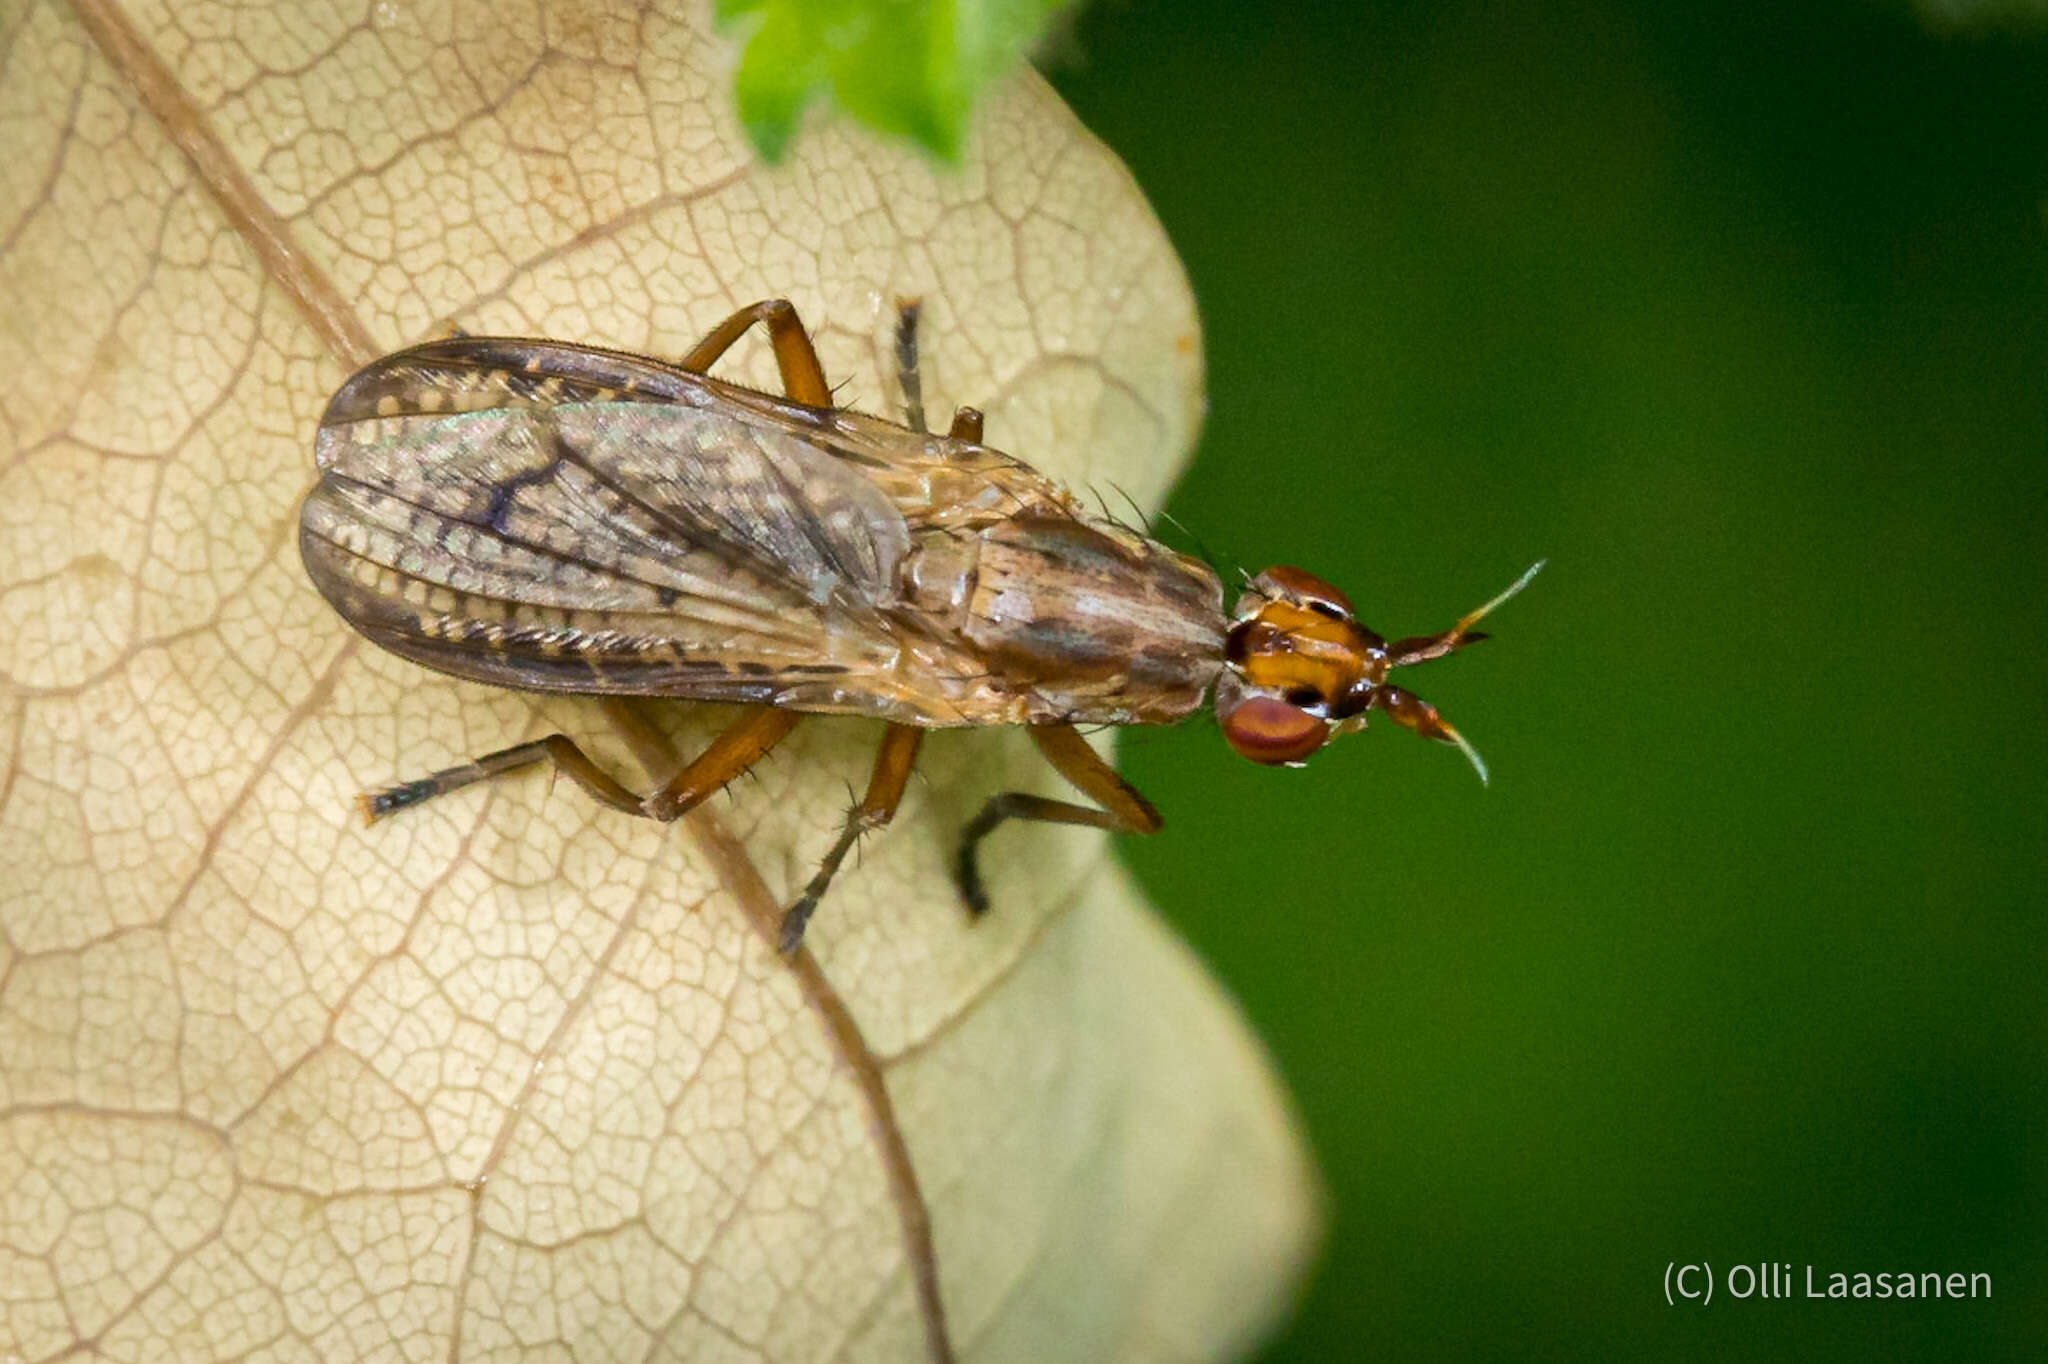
x=553 y=517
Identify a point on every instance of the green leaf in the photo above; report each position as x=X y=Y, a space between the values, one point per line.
x=907 y=68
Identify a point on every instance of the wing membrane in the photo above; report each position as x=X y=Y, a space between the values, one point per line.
x=472 y=373
x=556 y=517
x=594 y=523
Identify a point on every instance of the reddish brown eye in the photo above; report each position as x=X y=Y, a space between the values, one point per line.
x=1273 y=732
x=1311 y=591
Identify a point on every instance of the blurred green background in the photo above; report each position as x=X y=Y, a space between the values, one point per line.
x=1739 y=315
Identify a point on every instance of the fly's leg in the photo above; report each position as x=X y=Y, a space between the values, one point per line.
x=559 y=749
x=907 y=377
x=742 y=744
x=803 y=378
x=966 y=420
x=893 y=764
x=1123 y=809
x=738 y=747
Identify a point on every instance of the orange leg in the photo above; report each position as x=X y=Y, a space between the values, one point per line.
x=738 y=747
x=803 y=378
x=893 y=765
x=745 y=742
x=1124 y=809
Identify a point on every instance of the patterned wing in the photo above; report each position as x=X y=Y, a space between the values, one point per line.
x=554 y=518
x=472 y=373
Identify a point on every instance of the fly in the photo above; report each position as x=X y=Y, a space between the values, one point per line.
x=560 y=518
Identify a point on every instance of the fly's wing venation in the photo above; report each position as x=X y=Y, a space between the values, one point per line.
x=559 y=519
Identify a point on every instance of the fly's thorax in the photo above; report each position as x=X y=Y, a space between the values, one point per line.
x=1086 y=620
x=938 y=576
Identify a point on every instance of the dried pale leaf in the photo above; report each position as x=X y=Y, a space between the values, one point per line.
x=511 y=1076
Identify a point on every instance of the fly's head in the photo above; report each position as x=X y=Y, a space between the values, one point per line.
x=1301 y=670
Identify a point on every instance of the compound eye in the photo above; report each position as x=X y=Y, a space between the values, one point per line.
x=1309 y=590
x=1273 y=732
